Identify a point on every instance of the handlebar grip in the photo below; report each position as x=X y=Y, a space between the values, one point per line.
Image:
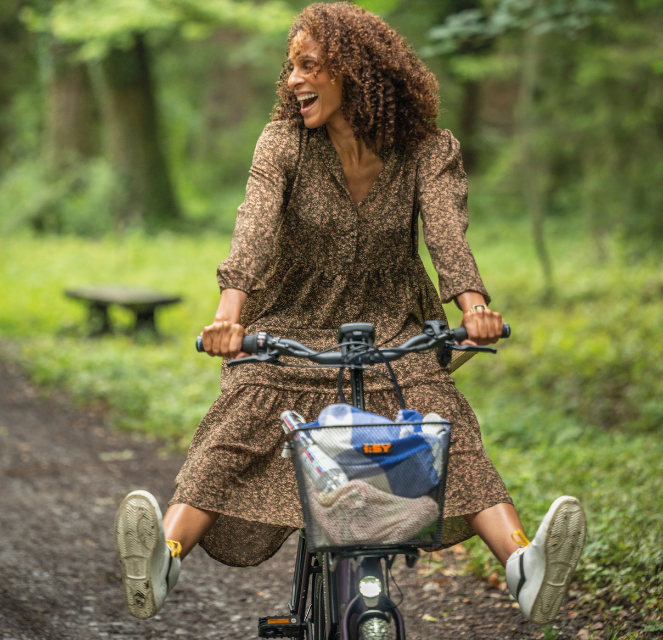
x=249 y=344
x=460 y=334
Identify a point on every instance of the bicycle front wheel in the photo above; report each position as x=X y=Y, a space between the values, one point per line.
x=375 y=629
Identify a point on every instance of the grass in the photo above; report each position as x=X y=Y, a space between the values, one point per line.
x=570 y=405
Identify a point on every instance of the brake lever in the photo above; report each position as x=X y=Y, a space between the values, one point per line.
x=272 y=357
x=444 y=352
x=471 y=347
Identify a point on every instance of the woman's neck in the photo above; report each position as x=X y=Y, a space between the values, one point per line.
x=350 y=150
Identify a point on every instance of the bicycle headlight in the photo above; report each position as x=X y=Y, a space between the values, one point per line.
x=370 y=587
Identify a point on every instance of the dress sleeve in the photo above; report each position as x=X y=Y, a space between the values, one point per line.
x=253 y=250
x=442 y=192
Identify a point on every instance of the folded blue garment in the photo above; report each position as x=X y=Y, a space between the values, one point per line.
x=402 y=457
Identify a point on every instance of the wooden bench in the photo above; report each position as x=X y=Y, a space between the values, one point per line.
x=143 y=303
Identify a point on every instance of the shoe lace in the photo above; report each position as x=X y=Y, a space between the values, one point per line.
x=175 y=548
x=520 y=538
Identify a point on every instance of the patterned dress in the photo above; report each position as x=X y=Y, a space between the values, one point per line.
x=311 y=260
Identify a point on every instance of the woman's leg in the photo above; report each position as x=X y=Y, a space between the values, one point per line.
x=537 y=573
x=187 y=525
x=495 y=526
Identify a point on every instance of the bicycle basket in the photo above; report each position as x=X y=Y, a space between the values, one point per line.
x=372 y=486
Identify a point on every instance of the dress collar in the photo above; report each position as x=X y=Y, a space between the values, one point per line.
x=324 y=148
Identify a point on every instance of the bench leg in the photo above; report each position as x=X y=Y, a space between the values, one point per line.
x=98 y=319
x=145 y=321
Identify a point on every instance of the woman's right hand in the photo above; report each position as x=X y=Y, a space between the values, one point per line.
x=224 y=336
x=224 y=339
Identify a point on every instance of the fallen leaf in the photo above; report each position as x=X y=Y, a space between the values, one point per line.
x=573 y=614
x=597 y=626
x=114 y=456
x=494 y=580
x=459 y=550
x=583 y=634
x=428 y=618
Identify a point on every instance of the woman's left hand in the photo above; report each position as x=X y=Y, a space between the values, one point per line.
x=483 y=326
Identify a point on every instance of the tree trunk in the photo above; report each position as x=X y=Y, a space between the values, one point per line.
x=227 y=103
x=532 y=170
x=71 y=115
x=132 y=130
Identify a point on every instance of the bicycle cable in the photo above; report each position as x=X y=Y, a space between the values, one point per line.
x=394 y=382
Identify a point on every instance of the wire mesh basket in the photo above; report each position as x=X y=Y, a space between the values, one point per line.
x=372 y=486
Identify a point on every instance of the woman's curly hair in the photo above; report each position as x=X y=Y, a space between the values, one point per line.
x=389 y=95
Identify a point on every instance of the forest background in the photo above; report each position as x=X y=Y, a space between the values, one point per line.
x=126 y=132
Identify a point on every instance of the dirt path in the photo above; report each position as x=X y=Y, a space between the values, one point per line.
x=62 y=475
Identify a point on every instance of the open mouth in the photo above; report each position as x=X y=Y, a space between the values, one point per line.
x=306 y=101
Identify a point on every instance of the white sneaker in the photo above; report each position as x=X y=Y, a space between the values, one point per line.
x=539 y=573
x=150 y=564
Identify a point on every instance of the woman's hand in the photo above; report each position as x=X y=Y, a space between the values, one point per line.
x=224 y=336
x=483 y=325
x=224 y=339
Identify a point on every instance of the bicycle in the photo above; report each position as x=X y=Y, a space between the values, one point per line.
x=349 y=583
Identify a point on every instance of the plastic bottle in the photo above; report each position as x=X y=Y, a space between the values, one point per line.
x=323 y=470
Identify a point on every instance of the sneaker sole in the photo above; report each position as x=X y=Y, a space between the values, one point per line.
x=564 y=544
x=138 y=530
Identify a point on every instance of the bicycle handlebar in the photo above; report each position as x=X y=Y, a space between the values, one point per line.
x=262 y=342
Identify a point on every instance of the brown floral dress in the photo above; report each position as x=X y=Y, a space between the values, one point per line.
x=310 y=260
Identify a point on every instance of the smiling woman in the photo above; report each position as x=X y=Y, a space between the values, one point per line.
x=388 y=93
x=328 y=234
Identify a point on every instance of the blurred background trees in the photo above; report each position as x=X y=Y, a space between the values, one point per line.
x=145 y=113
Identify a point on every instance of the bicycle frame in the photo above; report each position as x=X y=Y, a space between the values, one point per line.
x=340 y=597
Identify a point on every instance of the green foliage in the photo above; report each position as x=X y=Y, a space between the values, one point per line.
x=594 y=128
x=102 y=24
x=570 y=405
x=475 y=27
x=76 y=200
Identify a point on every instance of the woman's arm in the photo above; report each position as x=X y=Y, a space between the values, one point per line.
x=224 y=336
x=483 y=325
x=254 y=242
x=254 y=249
x=442 y=189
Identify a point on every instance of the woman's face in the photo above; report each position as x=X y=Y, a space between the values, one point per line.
x=319 y=96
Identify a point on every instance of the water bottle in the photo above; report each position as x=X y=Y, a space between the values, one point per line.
x=322 y=469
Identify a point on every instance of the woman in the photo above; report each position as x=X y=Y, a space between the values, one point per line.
x=327 y=235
